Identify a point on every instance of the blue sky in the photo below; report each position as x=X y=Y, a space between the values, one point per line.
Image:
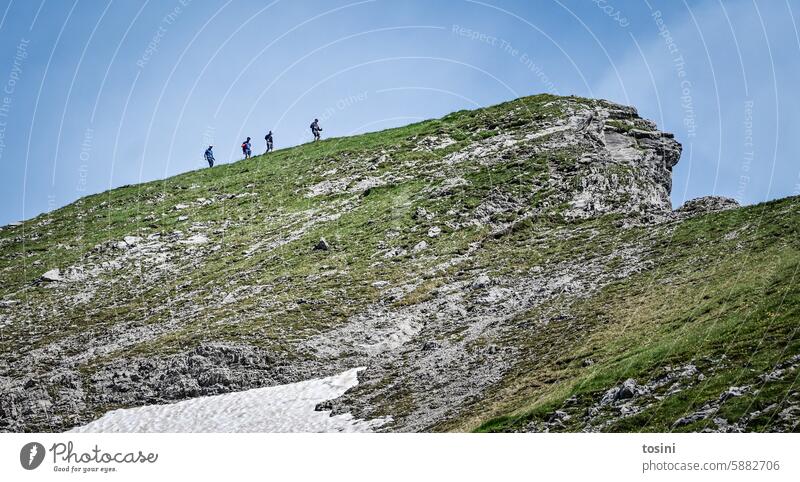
x=98 y=94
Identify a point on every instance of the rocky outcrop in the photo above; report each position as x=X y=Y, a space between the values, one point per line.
x=322 y=245
x=707 y=204
x=623 y=163
x=602 y=158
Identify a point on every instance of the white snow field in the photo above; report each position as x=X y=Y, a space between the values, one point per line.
x=282 y=408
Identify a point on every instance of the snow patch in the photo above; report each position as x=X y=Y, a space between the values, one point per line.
x=282 y=408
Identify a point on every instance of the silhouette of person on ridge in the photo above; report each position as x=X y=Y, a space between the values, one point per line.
x=268 y=138
x=315 y=129
x=210 y=156
x=246 y=148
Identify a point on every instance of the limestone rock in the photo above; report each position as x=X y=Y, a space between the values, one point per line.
x=707 y=204
x=52 y=276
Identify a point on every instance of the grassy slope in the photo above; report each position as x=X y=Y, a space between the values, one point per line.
x=731 y=304
x=63 y=237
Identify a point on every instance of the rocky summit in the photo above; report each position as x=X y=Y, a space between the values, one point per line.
x=513 y=268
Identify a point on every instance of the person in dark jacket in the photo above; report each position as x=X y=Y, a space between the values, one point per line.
x=268 y=138
x=210 y=156
x=315 y=129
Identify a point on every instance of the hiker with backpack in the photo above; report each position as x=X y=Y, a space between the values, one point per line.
x=210 y=156
x=315 y=129
x=268 y=138
x=246 y=148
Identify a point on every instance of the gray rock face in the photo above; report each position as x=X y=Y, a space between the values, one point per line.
x=604 y=159
x=624 y=163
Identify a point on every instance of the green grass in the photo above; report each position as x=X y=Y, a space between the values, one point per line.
x=722 y=302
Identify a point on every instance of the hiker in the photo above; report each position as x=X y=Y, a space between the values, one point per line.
x=246 y=148
x=268 y=138
x=210 y=156
x=315 y=129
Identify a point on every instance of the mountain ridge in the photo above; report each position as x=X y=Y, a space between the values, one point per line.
x=485 y=267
